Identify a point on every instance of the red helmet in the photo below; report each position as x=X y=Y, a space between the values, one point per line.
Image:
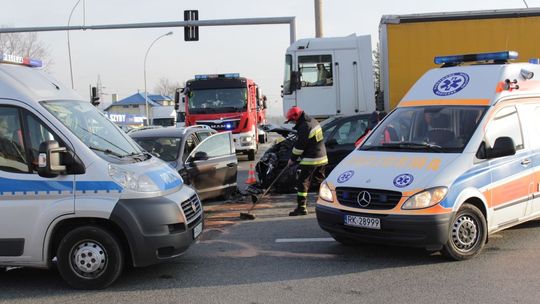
x=293 y=114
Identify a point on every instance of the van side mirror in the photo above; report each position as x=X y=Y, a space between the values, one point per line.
x=503 y=146
x=49 y=160
x=295 y=81
x=177 y=100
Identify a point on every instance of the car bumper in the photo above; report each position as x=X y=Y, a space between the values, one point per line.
x=157 y=229
x=428 y=231
x=241 y=145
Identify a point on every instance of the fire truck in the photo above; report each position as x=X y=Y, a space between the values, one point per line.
x=225 y=102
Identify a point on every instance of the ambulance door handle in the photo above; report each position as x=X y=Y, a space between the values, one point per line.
x=526 y=162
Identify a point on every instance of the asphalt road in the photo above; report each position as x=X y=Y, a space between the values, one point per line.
x=277 y=259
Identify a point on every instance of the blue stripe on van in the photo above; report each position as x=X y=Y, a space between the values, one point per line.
x=165 y=178
x=12 y=186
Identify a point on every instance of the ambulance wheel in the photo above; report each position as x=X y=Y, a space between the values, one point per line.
x=90 y=257
x=251 y=154
x=467 y=234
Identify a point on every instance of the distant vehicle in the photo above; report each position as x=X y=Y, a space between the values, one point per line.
x=330 y=76
x=340 y=134
x=225 y=102
x=204 y=158
x=407 y=49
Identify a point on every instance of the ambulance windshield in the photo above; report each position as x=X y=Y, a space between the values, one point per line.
x=426 y=129
x=93 y=128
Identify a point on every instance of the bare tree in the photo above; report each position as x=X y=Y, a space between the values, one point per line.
x=166 y=87
x=25 y=44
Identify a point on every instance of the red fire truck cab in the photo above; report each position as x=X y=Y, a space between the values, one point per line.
x=225 y=102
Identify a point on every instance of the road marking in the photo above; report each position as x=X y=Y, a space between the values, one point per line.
x=304 y=240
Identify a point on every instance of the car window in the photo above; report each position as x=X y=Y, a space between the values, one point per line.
x=350 y=131
x=203 y=135
x=166 y=148
x=12 y=150
x=505 y=123
x=216 y=145
x=189 y=145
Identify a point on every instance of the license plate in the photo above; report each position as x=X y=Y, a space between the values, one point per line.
x=362 y=221
x=197 y=230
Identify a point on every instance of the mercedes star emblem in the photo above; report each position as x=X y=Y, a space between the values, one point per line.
x=363 y=199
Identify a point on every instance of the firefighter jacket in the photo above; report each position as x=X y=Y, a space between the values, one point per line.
x=309 y=148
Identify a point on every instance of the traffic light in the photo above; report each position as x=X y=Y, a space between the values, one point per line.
x=177 y=100
x=191 y=33
x=94 y=98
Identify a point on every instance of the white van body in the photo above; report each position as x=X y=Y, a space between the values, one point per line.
x=134 y=198
x=452 y=187
x=350 y=87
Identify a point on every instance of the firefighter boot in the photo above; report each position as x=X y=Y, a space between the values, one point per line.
x=300 y=210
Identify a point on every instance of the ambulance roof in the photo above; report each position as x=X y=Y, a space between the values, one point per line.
x=31 y=84
x=482 y=84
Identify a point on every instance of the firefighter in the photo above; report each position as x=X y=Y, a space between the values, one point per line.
x=309 y=152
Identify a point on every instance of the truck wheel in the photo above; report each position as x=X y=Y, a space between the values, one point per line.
x=90 y=257
x=467 y=234
x=251 y=154
x=261 y=139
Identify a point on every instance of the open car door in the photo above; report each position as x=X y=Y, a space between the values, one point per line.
x=212 y=166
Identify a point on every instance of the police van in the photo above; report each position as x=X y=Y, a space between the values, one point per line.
x=77 y=190
x=457 y=160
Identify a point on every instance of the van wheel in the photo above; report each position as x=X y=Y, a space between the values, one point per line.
x=90 y=257
x=251 y=155
x=467 y=234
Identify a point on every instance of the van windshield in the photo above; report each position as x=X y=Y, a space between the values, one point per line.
x=426 y=129
x=92 y=128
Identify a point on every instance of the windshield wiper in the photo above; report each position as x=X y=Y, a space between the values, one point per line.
x=413 y=145
x=108 y=151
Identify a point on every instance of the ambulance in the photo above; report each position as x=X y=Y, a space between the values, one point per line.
x=76 y=192
x=456 y=161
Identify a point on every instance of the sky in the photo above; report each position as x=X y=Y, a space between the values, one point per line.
x=255 y=51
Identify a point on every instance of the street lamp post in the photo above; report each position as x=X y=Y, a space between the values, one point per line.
x=146 y=91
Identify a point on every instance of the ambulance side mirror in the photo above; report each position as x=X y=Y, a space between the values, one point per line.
x=49 y=159
x=503 y=146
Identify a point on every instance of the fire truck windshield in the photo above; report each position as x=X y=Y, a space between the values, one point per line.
x=221 y=100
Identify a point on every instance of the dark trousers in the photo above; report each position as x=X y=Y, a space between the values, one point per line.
x=307 y=175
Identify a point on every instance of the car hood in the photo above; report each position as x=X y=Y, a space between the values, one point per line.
x=405 y=172
x=283 y=131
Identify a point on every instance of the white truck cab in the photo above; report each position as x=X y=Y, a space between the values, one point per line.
x=74 y=187
x=330 y=76
x=457 y=160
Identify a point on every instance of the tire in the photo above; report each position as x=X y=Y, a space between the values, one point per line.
x=262 y=139
x=251 y=154
x=467 y=234
x=79 y=246
x=345 y=241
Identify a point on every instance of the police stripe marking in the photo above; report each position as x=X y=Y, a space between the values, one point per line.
x=304 y=240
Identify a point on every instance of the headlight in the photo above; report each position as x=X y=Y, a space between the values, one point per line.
x=129 y=180
x=325 y=193
x=426 y=198
x=246 y=139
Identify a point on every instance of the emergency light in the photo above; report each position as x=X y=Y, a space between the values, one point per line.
x=457 y=59
x=27 y=61
x=215 y=76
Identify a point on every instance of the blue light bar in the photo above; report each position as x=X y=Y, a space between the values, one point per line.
x=7 y=58
x=496 y=56
x=534 y=60
x=214 y=76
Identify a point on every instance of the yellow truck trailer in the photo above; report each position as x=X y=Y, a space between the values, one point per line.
x=409 y=43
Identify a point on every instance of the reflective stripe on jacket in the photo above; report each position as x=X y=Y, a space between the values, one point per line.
x=309 y=147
